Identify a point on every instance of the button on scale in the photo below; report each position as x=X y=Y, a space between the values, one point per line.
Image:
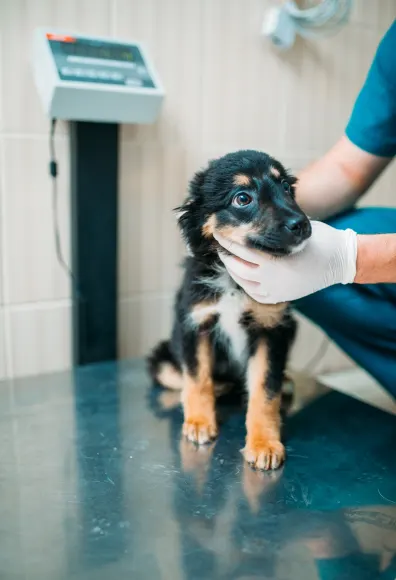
x=91 y=73
x=67 y=71
x=133 y=82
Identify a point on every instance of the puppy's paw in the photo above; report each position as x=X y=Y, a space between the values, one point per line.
x=264 y=454
x=200 y=430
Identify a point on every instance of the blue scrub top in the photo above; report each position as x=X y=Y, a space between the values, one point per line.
x=372 y=125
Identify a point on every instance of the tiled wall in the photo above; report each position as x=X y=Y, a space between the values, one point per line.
x=226 y=89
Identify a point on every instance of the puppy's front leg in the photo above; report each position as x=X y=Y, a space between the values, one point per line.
x=198 y=391
x=263 y=448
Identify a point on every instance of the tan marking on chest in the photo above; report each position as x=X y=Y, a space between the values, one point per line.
x=266 y=315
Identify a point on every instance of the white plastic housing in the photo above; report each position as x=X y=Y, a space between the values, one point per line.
x=90 y=88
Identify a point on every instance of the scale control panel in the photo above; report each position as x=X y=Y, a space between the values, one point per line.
x=95 y=79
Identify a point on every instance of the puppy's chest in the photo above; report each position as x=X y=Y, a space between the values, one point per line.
x=229 y=313
x=226 y=313
x=230 y=309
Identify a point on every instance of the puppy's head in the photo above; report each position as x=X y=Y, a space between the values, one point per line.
x=248 y=197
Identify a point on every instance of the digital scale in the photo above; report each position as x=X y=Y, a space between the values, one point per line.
x=96 y=84
x=83 y=78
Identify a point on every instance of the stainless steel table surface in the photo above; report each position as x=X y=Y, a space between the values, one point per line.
x=96 y=483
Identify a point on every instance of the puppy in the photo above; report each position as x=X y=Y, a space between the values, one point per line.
x=222 y=338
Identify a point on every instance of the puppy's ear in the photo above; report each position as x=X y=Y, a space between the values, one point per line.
x=188 y=214
x=191 y=203
x=196 y=184
x=181 y=210
x=185 y=215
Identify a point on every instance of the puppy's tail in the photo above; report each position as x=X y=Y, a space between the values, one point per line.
x=163 y=367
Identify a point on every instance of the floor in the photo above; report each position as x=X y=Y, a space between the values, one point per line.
x=97 y=483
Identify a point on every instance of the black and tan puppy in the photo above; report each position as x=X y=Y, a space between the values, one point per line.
x=221 y=337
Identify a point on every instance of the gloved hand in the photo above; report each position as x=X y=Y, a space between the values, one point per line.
x=328 y=258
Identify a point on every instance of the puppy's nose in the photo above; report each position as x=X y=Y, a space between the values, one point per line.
x=298 y=226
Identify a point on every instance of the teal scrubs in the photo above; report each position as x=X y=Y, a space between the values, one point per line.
x=361 y=319
x=372 y=125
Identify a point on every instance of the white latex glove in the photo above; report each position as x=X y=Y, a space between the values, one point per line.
x=328 y=258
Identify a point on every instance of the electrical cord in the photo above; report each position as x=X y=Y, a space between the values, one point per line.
x=53 y=171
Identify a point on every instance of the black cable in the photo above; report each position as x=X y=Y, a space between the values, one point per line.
x=53 y=170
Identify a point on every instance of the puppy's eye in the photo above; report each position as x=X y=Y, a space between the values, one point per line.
x=286 y=186
x=242 y=199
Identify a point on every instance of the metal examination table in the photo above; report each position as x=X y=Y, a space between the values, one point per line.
x=96 y=484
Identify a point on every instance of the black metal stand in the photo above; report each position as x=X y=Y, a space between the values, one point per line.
x=94 y=209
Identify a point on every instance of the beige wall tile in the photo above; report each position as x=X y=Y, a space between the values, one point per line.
x=2 y=206
x=40 y=338
x=171 y=31
x=18 y=18
x=33 y=272
x=3 y=367
x=378 y=14
x=153 y=182
x=243 y=81
x=324 y=78
x=143 y=320
x=1 y=81
x=1 y=265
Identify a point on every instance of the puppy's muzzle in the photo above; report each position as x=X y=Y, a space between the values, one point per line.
x=296 y=229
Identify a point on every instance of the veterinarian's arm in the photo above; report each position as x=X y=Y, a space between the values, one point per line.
x=376 y=259
x=330 y=257
x=337 y=180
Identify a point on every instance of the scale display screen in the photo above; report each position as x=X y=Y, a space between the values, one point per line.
x=96 y=61
x=122 y=53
